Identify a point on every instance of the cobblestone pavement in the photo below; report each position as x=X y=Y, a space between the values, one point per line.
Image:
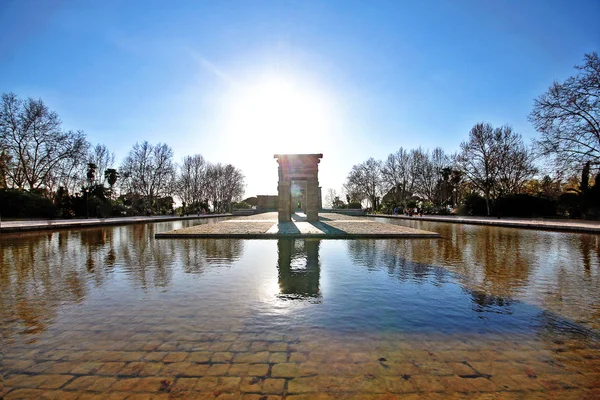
x=90 y=364
x=266 y=226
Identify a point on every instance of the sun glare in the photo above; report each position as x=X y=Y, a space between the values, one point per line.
x=280 y=115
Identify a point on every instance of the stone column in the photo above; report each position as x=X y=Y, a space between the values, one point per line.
x=312 y=200
x=284 y=201
x=320 y=199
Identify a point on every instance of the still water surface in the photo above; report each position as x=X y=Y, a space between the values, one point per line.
x=476 y=280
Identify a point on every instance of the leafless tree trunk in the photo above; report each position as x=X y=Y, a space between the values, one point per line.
x=104 y=159
x=365 y=178
x=568 y=117
x=191 y=183
x=31 y=135
x=149 y=171
x=495 y=161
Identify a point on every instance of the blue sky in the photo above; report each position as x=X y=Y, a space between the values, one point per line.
x=239 y=81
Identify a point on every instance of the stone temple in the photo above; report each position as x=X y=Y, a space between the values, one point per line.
x=298 y=188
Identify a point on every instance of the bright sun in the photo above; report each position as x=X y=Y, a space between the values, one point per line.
x=281 y=115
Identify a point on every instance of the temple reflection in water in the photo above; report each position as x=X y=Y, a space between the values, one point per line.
x=298 y=268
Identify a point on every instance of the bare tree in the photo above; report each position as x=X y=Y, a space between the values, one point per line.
x=365 y=179
x=330 y=197
x=397 y=174
x=478 y=162
x=568 y=117
x=103 y=159
x=149 y=171
x=32 y=137
x=192 y=180
x=428 y=167
x=495 y=161
x=233 y=185
x=225 y=184
x=515 y=162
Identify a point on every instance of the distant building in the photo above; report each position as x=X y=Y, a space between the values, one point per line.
x=267 y=203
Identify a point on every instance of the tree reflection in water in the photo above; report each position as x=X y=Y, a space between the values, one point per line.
x=299 y=268
x=41 y=271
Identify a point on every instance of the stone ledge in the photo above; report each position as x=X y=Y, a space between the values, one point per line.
x=330 y=226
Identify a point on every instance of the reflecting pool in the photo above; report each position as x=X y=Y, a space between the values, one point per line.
x=114 y=313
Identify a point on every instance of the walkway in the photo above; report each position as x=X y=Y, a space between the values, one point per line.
x=568 y=225
x=44 y=224
x=266 y=226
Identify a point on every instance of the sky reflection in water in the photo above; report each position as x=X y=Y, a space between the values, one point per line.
x=475 y=280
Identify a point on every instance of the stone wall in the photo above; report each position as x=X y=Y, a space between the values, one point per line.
x=266 y=202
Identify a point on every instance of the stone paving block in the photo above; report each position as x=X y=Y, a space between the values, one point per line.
x=151 y=385
x=277 y=347
x=200 y=356
x=16 y=365
x=86 y=368
x=258 y=369
x=23 y=394
x=312 y=396
x=90 y=383
x=516 y=383
x=309 y=368
x=252 y=358
x=297 y=357
x=55 y=381
x=284 y=370
x=174 y=356
x=130 y=356
x=221 y=357
x=220 y=346
x=251 y=384
x=240 y=346
x=275 y=358
x=366 y=384
x=195 y=370
x=457 y=384
x=259 y=346
x=109 y=356
x=462 y=368
x=303 y=385
x=238 y=370
x=64 y=395
x=228 y=384
x=124 y=384
x=206 y=384
x=273 y=386
x=261 y=397
x=184 y=385
x=227 y=396
x=110 y=368
x=398 y=384
x=156 y=356
x=25 y=381
x=218 y=370
x=400 y=369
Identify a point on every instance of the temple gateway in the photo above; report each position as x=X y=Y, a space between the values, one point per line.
x=298 y=189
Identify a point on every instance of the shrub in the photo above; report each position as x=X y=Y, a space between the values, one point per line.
x=525 y=205
x=21 y=204
x=473 y=204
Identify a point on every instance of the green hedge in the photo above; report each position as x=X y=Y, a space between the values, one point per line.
x=21 y=204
